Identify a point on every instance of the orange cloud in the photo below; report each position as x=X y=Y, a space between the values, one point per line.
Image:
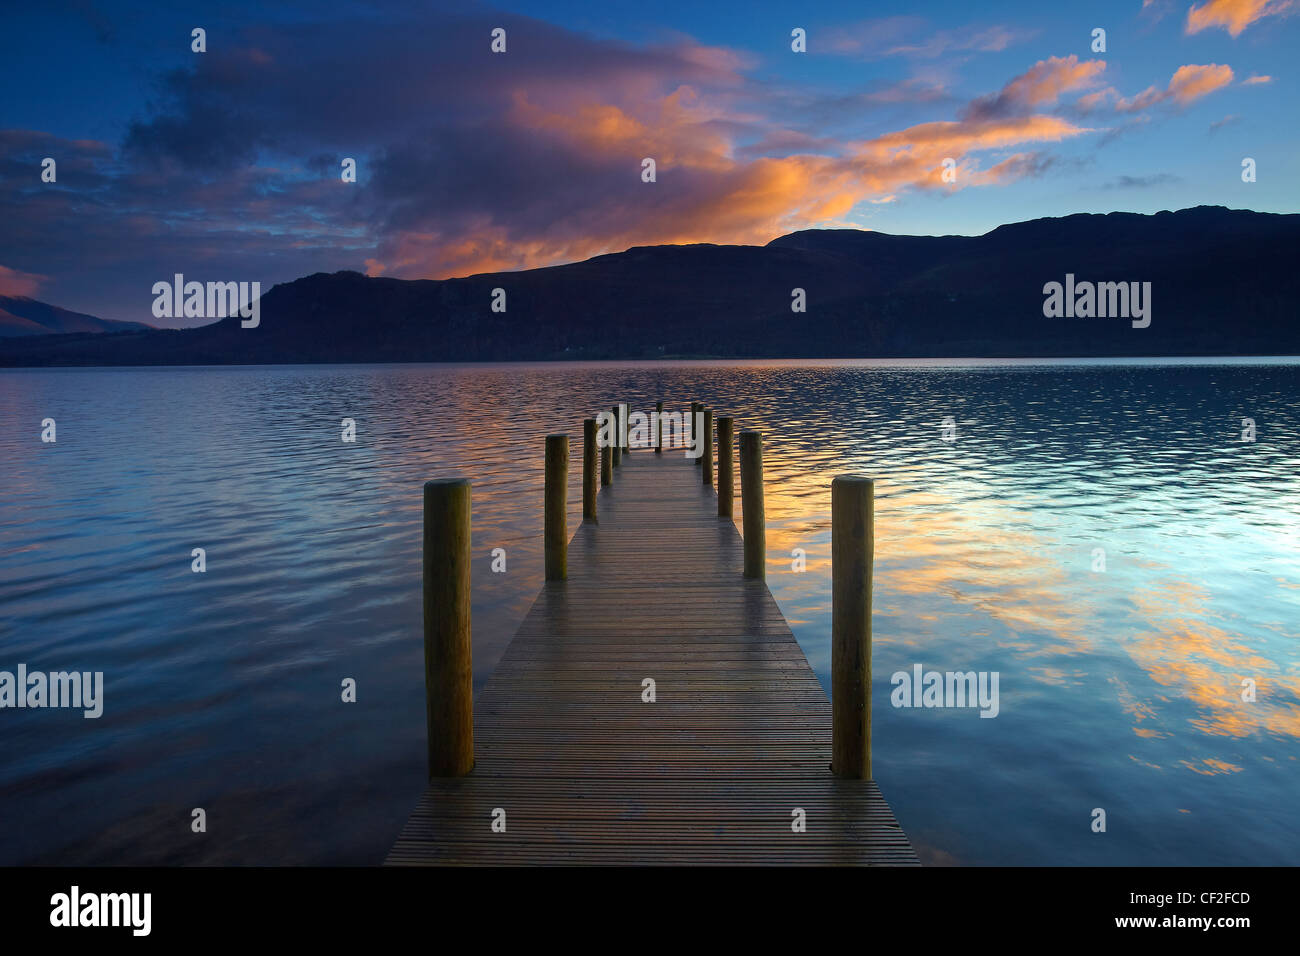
x=1040 y=85
x=1192 y=82
x=1234 y=15
x=704 y=193
x=709 y=189
x=1048 y=79
x=952 y=137
x=1189 y=83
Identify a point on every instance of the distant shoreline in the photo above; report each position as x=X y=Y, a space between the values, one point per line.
x=917 y=362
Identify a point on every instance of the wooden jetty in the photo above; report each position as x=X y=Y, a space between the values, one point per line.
x=725 y=759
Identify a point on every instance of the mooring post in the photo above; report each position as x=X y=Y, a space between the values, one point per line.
x=555 y=536
x=448 y=669
x=625 y=414
x=707 y=457
x=751 y=504
x=852 y=548
x=618 y=451
x=589 y=469
x=726 y=475
x=696 y=409
x=659 y=428
x=606 y=467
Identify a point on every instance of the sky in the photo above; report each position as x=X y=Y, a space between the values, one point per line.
x=225 y=165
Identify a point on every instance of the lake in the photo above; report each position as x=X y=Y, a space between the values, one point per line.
x=1096 y=533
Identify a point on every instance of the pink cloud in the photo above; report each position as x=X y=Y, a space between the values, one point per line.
x=14 y=282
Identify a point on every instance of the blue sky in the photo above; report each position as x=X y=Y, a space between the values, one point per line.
x=224 y=165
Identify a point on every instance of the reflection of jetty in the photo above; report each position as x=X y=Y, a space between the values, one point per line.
x=654 y=707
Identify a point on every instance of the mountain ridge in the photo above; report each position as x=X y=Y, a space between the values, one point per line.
x=1224 y=283
x=22 y=315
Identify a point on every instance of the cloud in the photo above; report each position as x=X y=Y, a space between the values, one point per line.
x=1226 y=121
x=1235 y=15
x=1143 y=182
x=1133 y=123
x=15 y=282
x=872 y=38
x=1029 y=165
x=1091 y=101
x=1189 y=83
x=1156 y=10
x=1255 y=80
x=1192 y=82
x=106 y=231
x=899 y=36
x=988 y=40
x=471 y=162
x=967 y=135
x=1041 y=85
x=703 y=193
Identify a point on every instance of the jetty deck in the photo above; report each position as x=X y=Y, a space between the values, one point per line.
x=713 y=772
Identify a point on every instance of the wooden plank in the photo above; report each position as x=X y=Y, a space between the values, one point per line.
x=737 y=740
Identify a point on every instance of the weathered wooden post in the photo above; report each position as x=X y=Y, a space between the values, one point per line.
x=448 y=668
x=751 y=502
x=726 y=474
x=618 y=451
x=606 y=467
x=555 y=536
x=696 y=408
x=589 y=469
x=707 y=457
x=625 y=411
x=659 y=428
x=852 y=548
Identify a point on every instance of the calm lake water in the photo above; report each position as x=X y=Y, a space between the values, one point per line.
x=1119 y=689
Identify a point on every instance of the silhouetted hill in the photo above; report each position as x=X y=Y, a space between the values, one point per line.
x=1224 y=282
x=20 y=315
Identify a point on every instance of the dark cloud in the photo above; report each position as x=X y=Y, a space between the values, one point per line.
x=234 y=169
x=470 y=161
x=1143 y=182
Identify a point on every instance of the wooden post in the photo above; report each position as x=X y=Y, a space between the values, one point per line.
x=555 y=537
x=659 y=428
x=687 y=423
x=751 y=503
x=852 y=547
x=707 y=457
x=726 y=474
x=696 y=408
x=618 y=451
x=606 y=467
x=624 y=411
x=589 y=469
x=448 y=670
